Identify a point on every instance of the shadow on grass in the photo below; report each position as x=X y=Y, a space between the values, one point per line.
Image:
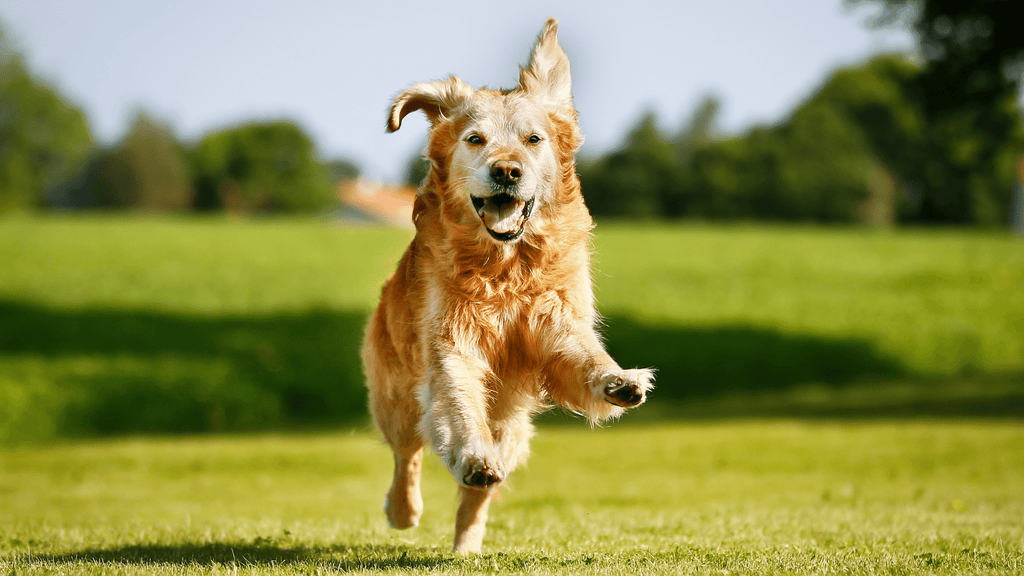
x=739 y=371
x=105 y=371
x=114 y=371
x=249 y=555
x=704 y=362
x=678 y=559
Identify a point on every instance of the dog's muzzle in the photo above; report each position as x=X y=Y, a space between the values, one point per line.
x=504 y=215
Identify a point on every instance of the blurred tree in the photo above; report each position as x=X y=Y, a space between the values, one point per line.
x=146 y=171
x=416 y=168
x=631 y=181
x=819 y=164
x=269 y=166
x=973 y=65
x=43 y=138
x=886 y=141
x=698 y=131
x=341 y=169
x=853 y=135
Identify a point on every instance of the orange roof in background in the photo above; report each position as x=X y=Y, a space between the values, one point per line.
x=383 y=202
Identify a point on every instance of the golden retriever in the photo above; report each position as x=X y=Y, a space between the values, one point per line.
x=489 y=318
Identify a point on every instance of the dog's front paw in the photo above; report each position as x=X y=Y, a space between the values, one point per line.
x=480 y=475
x=627 y=388
x=478 y=467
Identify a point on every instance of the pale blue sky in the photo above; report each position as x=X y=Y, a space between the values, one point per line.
x=334 y=66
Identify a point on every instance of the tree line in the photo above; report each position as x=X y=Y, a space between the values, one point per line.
x=891 y=140
x=861 y=148
x=49 y=158
x=933 y=140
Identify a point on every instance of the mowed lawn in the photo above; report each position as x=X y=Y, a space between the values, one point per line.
x=118 y=327
x=120 y=324
x=755 y=497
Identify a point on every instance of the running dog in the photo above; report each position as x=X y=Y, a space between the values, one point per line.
x=489 y=318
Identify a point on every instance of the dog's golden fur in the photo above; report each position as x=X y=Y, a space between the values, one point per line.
x=490 y=316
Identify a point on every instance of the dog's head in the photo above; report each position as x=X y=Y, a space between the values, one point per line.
x=499 y=153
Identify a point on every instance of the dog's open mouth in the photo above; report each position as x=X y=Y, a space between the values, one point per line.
x=503 y=215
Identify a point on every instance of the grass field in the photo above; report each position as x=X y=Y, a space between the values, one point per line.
x=114 y=324
x=752 y=497
x=884 y=373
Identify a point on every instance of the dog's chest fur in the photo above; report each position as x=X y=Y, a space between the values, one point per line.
x=506 y=304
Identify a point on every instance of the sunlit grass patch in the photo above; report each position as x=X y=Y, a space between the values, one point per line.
x=744 y=497
x=119 y=324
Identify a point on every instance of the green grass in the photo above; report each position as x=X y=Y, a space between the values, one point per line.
x=200 y=266
x=939 y=302
x=115 y=325
x=141 y=324
x=755 y=497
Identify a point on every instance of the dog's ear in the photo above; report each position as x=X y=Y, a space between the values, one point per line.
x=547 y=76
x=437 y=99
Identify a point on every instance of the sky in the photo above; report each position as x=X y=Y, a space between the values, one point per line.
x=334 y=66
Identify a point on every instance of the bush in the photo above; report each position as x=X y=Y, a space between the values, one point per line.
x=261 y=167
x=43 y=138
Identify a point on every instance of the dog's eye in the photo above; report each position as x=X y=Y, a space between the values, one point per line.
x=475 y=139
x=534 y=138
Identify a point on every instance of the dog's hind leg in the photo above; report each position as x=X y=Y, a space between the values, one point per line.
x=396 y=413
x=404 y=504
x=471 y=519
x=396 y=416
x=397 y=420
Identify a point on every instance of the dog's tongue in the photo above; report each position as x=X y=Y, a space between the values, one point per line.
x=503 y=218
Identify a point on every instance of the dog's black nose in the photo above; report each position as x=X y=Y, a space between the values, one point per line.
x=506 y=172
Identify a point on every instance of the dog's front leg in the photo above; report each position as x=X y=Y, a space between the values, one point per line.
x=455 y=400
x=471 y=519
x=580 y=375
